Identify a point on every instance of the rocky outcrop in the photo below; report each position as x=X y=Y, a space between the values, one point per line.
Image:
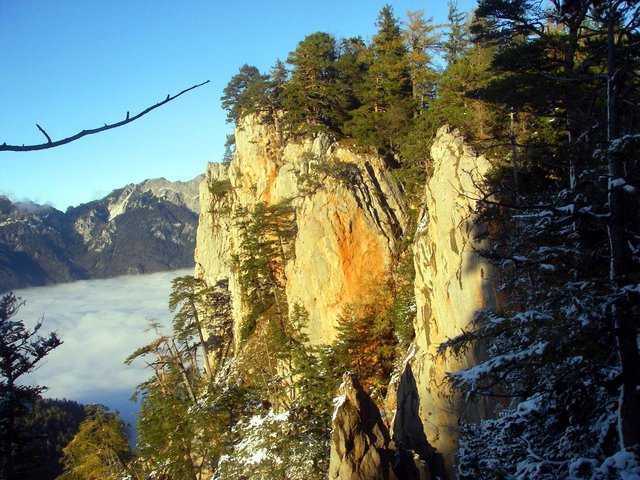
x=348 y=211
x=409 y=436
x=362 y=447
x=452 y=283
x=359 y=438
x=349 y=218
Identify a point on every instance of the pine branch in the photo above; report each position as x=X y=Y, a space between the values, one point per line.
x=128 y=119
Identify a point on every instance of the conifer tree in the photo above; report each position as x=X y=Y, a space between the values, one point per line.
x=190 y=299
x=21 y=350
x=458 y=36
x=557 y=350
x=266 y=234
x=313 y=97
x=100 y=449
x=386 y=103
x=278 y=77
x=422 y=42
x=244 y=91
x=365 y=344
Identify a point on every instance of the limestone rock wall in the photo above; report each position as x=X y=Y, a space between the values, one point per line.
x=348 y=221
x=451 y=283
x=350 y=218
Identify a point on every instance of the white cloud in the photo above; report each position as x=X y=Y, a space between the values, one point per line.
x=101 y=322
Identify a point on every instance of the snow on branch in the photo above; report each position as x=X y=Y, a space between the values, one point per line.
x=128 y=119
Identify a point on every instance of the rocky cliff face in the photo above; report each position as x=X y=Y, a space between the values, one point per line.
x=348 y=212
x=140 y=228
x=350 y=216
x=451 y=284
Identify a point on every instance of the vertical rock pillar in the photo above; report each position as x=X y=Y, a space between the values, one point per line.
x=452 y=283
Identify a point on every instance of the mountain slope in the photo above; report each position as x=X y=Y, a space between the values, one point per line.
x=140 y=228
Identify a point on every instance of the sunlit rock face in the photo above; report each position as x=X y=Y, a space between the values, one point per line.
x=348 y=222
x=452 y=283
x=349 y=218
x=359 y=439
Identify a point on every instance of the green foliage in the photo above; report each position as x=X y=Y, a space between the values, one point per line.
x=267 y=235
x=310 y=382
x=365 y=345
x=555 y=350
x=314 y=98
x=243 y=92
x=219 y=188
x=346 y=173
x=229 y=150
x=100 y=449
x=275 y=446
x=386 y=101
x=403 y=309
x=458 y=40
x=177 y=439
x=422 y=41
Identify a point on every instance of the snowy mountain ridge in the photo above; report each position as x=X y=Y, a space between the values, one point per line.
x=140 y=228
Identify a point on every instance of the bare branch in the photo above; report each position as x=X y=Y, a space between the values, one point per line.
x=51 y=144
x=44 y=133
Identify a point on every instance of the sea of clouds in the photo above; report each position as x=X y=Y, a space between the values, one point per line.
x=101 y=322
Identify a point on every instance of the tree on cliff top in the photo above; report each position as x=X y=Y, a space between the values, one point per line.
x=314 y=97
x=386 y=99
x=242 y=92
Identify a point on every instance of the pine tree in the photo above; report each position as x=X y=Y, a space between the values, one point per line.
x=313 y=97
x=267 y=233
x=365 y=344
x=243 y=93
x=458 y=37
x=422 y=43
x=556 y=351
x=203 y=313
x=51 y=425
x=166 y=428
x=386 y=102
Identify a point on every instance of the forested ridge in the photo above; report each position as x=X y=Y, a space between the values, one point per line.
x=548 y=92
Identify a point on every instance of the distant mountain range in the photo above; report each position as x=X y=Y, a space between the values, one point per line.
x=141 y=228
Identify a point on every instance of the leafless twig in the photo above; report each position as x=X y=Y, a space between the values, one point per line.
x=51 y=144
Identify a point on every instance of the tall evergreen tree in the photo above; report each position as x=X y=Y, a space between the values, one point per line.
x=422 y=42
x=313 y=98
x=278 y=77
x=199 y=311
x=267 y=233
x=458 y=36
x=386 y=98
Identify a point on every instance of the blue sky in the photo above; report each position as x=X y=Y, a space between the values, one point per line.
x=74 y=64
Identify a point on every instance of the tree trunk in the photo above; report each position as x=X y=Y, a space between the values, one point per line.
x=203 y=345
x=620 y=260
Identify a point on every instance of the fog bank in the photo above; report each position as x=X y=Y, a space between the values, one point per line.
x=101 y=322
